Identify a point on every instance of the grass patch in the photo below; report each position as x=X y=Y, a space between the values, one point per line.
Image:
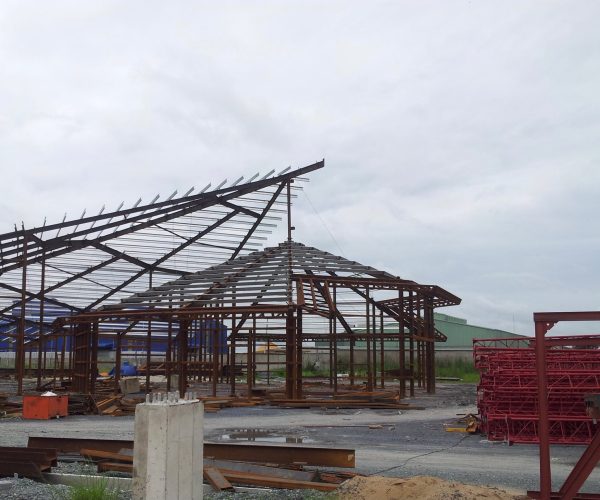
x=92 y=488
x=457 y=367
x=447 y=367
x=278 y=372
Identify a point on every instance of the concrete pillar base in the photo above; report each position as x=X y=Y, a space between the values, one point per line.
x=168 y=450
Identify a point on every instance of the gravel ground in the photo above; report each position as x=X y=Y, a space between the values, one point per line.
x=398 y=444
x=26 y=489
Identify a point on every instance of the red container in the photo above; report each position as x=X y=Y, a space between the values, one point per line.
x=45 y=407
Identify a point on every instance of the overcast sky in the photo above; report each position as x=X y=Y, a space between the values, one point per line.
x=461 y=139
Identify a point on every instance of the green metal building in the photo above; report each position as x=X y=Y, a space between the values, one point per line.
x=460 y=336
x=459 y=333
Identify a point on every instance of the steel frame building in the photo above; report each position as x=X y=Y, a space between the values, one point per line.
x=126 y=276
x=290 y=294
x=86 y=263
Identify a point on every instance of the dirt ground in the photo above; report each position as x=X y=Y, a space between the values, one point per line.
x=392 y=443
x=418 y=488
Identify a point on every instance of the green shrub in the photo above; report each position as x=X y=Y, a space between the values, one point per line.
x=92 y=488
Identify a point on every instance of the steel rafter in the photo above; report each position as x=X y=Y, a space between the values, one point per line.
x=91 y=261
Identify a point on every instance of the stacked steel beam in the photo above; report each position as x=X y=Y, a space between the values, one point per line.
x=507 y=392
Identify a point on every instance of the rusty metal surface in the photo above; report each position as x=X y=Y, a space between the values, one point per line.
x=276 y=454
x=543 y=323
x=157 y=273
x=84 y=263
x=255 y=297
x=216 y=479
x=27 y=462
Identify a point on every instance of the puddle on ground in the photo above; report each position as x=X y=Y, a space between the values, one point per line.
x=263 y=435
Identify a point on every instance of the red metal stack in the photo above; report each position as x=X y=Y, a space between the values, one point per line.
x=507 y=392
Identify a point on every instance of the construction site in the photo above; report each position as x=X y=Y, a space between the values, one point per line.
x=186 y=305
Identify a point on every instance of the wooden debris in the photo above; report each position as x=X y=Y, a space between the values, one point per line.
x=216 y=479
x=274 y=482
x=115 y=467
x=284 y=473
x=341 y=403
x=467 y=424
x=99 y=454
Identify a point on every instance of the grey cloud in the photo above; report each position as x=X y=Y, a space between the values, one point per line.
x=461 y=138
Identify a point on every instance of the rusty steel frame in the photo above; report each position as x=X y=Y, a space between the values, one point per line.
x=119 y=264
x=88 y=262
x=302 y=290
x=544 y=321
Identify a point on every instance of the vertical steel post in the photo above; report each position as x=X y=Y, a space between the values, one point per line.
x=290 y=354
x=94 y=356
x=299 y=354
x=41 y=340
x=216 y=344
x=330 y=342
x=411 y=333
x=169 y=353
x=334 y=335
x=374 y=329
x=544 y=427
x=20 y=356
x=249 y=375
x=148 y=342
x=232 y=362
x=401 y=353
x=182 y=355
x=382 y=349
x=429 y=346
x=368 y=339
x=118 y=361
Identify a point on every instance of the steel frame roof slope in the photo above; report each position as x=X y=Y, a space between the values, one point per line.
x=290 y=293
x=85 y=263
x=288 y=274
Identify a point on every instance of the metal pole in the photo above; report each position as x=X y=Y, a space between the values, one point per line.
x=148 y=343
x=401 y=340
x=411 y=334
x=118 y=363
x=334 y=337
x=169 y=353
x=41 y=341
x=544 y=427
x=299 y=354
x=382 y=350
x=20 y=358
x=368 y=338
x=374 y=352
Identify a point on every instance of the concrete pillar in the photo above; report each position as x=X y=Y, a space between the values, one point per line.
x=168 y=449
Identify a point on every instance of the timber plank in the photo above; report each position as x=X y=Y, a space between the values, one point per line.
x=216 y=479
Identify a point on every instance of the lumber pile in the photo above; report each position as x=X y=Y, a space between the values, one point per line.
x=117 y=405
x=155 y=368
x=80 y=404
x=213 y=404
x=225 y=465
x=355 y=399
x=10 y=406
x=222 y=475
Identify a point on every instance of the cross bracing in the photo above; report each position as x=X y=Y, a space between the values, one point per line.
x=289 y=294
x=85 y=263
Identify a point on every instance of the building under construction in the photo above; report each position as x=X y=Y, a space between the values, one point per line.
x=187 y=283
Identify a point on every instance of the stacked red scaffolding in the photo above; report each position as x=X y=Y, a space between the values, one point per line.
x=507 y=391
